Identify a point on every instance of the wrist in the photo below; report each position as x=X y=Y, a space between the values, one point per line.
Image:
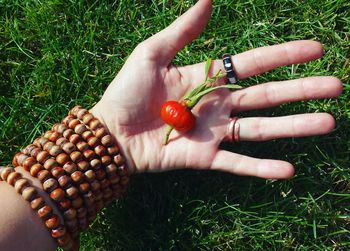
x=107 y=118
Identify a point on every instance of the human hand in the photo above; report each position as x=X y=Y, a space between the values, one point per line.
x=130 y=107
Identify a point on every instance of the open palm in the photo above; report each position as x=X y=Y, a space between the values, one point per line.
x=131 y=105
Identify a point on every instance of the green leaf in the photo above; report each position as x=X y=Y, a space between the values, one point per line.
x=207 y=67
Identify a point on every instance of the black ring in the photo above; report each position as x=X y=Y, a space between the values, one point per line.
x=228 y=65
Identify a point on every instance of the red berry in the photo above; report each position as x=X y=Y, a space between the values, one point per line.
x=177 y=116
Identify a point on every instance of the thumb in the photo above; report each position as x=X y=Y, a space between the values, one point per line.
x=165 y=44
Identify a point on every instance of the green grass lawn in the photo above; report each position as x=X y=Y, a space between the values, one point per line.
x=58 y=53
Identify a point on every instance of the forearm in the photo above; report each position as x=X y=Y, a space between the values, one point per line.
x=20 y=226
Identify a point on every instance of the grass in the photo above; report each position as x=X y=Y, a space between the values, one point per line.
x=55 y=53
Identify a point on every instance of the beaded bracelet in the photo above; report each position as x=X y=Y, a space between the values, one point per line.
x=38 y=203
x=80 y=167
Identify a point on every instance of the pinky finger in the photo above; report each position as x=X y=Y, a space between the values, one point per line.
x=247 y=166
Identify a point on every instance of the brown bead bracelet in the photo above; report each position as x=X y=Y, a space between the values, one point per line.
x=80 y=167
x=51 y=220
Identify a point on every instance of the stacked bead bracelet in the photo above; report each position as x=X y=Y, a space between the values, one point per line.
x=79 y=166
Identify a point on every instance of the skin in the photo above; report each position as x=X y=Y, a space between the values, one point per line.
x=136 y=123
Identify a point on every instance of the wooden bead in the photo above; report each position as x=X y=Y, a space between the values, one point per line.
x=37 y=203
x=66 y=120
x=5 y=171
x=50 y=184
x=90 y=175
x=42 y=141
x=61 y=128
x=89 y=197
x=57 y=172
x=54 y=127
x=83 y=223
x=61 y=141
x=74 y=138
x=35 y=169
x=113 y=150
x=78 y=202
x=77 y=177
x=89 y=154
x=67 y=133
x=64 y=241
x=118 y=160
x=87 y=135
x=80 y=128
x=13 y=177
x=36 y=142
x=95 y=185
x=28 y=149
x=62 y=158
x=50 y=163
x=100 y=132
x=72 y=192
x=65 y=204
x=58 y=231
x=29 y=193
x=55 y=150
x=47 y=134
x=124 y=180
x=93 y=142
x=76 y=156
x=100 y=150
x=15 y=161
x=73 y=123
x=104 y=184
x=20 y=185
x=99 y=205
x=70 y=167
x=95 y=164
x=84 y=187
x=114 y=180
x=107 y=140
x=52 y=222
x=123 y=170
x=34 y=153
x=111 y=170
x=81 y=212
x=94 y=124
x=48 y=146
x=64 y=181
x=72 y=224
x=87 y=118
x=100 y=174
x=98 y=195
x=74 y=111
x=42 y=156
x=81 y=113
x=82 y=146
x=43 y=175
x=57 y=194
x=45 y=212
x=68 y=147
x=107 y=194
x=83 y=165
x=28 y=163
x=70 y=214
x=106 y=160
x=54 y=136
x=21 y=158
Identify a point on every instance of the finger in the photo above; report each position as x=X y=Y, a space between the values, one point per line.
x=261 y=129
x=276 y=93
x=165 y=44
x=259 y=60
x=247 y=166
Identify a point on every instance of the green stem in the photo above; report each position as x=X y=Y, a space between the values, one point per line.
x=169 y=130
